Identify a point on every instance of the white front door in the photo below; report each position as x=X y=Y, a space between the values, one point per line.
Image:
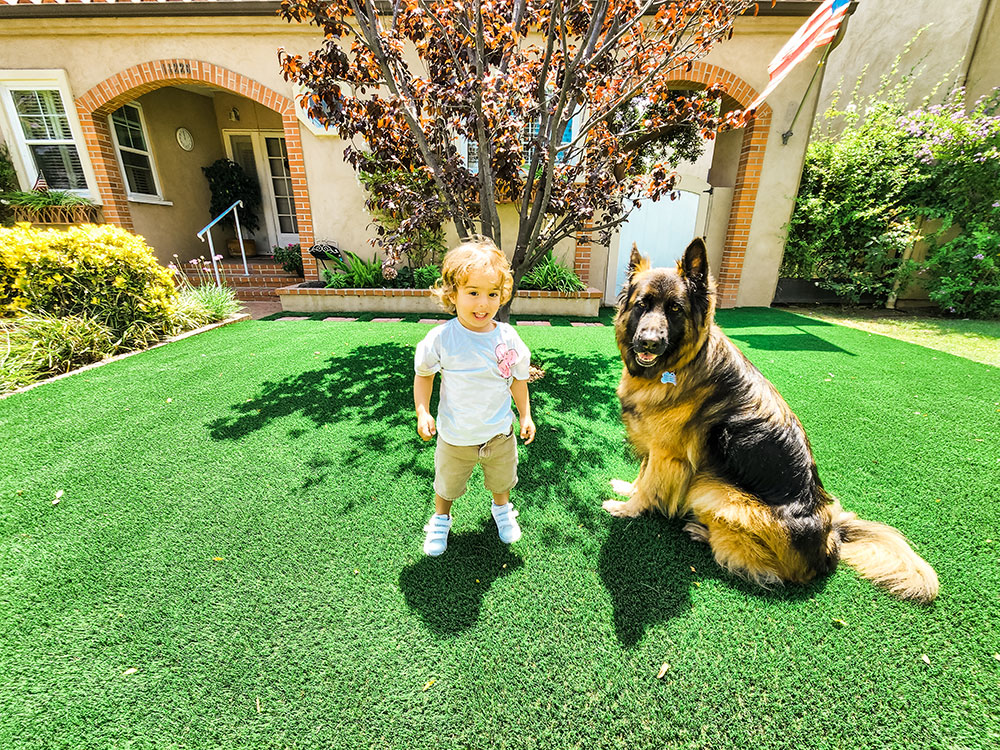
x=661 y=231
x=263 y=155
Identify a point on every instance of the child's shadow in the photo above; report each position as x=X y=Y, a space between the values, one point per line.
x=447 y=591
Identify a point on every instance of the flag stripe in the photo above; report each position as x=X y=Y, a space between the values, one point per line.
x=810 y=36
x=820 y=29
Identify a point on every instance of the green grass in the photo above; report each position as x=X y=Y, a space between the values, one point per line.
x=288 y=451
x=978 y=340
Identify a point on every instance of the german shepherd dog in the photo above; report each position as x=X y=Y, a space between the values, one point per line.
x=720 y=446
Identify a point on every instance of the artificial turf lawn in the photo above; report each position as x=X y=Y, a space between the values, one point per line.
x=241 y=525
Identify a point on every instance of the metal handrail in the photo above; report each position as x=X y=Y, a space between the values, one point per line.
x=239 y=236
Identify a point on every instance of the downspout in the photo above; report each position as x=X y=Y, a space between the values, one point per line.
x=970 y=52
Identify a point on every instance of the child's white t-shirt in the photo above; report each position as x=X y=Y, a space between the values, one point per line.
x=477 y=370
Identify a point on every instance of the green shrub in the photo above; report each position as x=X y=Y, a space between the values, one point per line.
x=865 y=190
x=99 y=272
x=548 y=275
x=218 y=302
x=8 y=184
x=336 y=279
x=290 y=258
x=361 y=274
x=425 y=276
x=852 y=220
x=963 y=276
x=40 y=345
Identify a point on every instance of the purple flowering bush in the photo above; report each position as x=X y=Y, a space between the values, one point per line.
x=963 y=276
x=866 y=190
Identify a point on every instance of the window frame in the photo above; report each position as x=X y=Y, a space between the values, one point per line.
x=17 y=143
x=572 y=128
x=157 y=184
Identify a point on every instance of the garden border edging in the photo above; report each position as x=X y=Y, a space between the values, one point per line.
x=236 y=318
x=297 y=298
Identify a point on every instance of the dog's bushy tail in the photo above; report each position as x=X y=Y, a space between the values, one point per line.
x=881 y=554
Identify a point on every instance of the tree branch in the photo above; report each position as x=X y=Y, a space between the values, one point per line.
x=371 y=36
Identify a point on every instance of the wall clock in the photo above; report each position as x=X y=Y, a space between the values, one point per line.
x=184 y=139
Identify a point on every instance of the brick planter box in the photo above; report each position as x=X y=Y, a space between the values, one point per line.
x=300 y=298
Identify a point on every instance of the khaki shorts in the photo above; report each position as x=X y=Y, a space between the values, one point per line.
x=453 y=465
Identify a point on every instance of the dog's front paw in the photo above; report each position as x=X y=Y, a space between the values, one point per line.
x=620 y=509
x=621 y=487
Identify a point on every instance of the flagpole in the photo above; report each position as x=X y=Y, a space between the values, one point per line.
x=829 y=48
x=788 y=133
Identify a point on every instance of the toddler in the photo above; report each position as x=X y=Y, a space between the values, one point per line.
x=482 y=364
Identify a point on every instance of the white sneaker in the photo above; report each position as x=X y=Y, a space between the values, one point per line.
x=437 y=530
x=507 y=527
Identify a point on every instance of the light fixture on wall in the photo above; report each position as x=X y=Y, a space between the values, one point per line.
x=234 y=115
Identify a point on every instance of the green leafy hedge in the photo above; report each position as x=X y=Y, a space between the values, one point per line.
x=865 y=190
x=103 y=273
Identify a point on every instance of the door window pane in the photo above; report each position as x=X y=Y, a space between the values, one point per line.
x=281 y=182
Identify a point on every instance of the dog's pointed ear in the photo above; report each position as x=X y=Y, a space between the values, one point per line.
x=694 y=265
x=636 y=263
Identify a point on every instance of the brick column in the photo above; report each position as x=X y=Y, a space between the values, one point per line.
x=581 y=258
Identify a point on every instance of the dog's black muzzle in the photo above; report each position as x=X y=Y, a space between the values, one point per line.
x=650 y=341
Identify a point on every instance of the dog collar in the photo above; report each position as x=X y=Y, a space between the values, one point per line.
x=668 y=377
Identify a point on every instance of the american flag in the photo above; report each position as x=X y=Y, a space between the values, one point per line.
x=820 y=29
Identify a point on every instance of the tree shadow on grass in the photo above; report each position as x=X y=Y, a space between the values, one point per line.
x=787 y=342
x=765 y=317
x=368 y=389
x=580 y=434
x=447 y=592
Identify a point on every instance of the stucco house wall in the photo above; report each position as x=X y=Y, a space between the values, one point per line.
x=956 y=43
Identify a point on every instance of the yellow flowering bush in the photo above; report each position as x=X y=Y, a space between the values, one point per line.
x=101 y=272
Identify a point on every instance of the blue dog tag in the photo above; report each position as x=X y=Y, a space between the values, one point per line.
x=669 y=377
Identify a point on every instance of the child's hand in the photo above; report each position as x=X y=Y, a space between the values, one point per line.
x=527 y=429
x=425 y=426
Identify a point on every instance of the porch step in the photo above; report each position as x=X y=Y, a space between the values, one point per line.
x=238 y=280
x=257 y=293
x=263 y=264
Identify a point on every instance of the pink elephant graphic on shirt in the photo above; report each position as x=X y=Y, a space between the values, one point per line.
x=505 y=358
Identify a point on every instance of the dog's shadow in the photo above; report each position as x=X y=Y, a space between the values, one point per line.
x=650 y=568
x=645 y=566
x=447 y=592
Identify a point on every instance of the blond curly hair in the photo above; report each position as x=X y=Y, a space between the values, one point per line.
x=475 y=253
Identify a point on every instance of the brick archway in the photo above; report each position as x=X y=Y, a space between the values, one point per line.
x=747 y=175
x=104 y=98
x=744 y=192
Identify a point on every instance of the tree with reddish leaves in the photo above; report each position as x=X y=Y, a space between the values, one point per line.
x=562 y=108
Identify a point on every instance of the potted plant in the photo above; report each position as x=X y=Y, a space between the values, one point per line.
x=229 y=183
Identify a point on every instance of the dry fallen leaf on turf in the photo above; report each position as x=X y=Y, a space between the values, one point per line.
x=926 y=659
x=839 y=623
x=696 y=583
x=692 y=568
x=130 y=670
x=663 y=671
x=429 y=683
x=217 y=559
